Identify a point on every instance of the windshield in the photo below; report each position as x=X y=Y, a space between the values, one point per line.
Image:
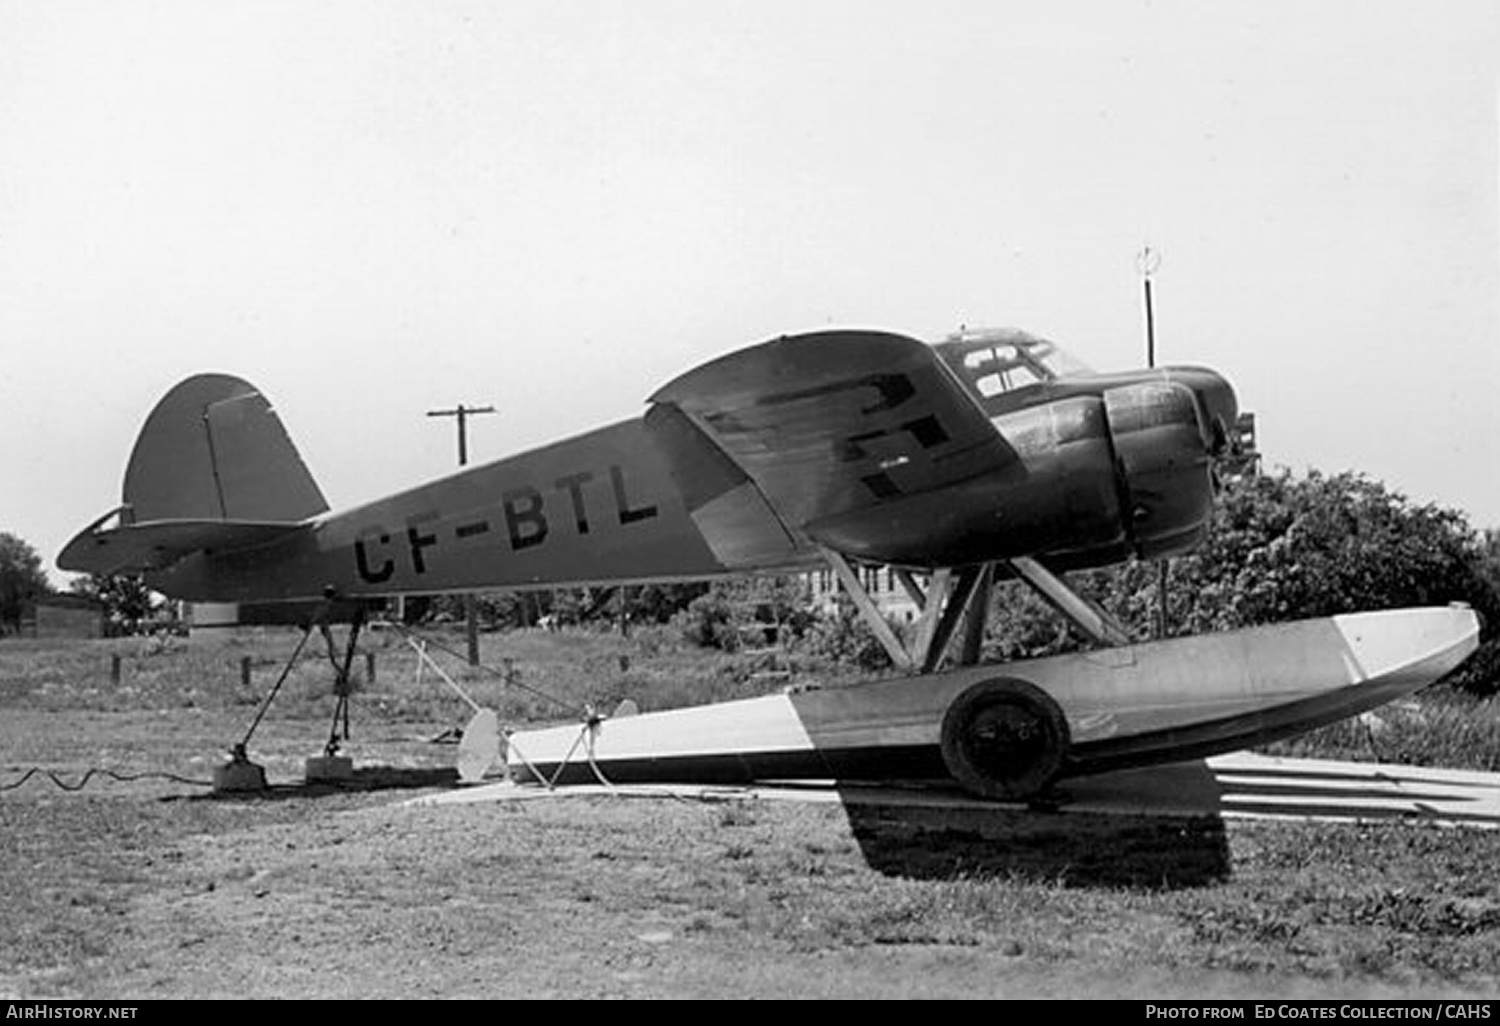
x=1001 y=360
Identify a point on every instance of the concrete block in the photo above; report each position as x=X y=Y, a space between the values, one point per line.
x=239 y=775
x=329 y=769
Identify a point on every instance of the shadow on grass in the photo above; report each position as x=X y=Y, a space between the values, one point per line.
x=366 y=779
x=1153 y=853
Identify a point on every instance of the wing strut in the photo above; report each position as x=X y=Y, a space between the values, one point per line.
x=953 y=597
x=979 y=612
x=947 y=595
x=855 y=589
x=1093 y=621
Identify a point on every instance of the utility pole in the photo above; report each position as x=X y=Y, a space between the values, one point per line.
x=1147 y=260
x=463 y=413
x=471 y=607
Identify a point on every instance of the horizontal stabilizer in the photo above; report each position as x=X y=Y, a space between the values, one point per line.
x=157 y=544
x=203 y=615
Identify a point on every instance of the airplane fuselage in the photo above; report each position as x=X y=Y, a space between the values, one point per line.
x=1104 y=467
x=594 y=508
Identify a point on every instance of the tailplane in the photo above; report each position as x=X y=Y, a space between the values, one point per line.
x=213 y=469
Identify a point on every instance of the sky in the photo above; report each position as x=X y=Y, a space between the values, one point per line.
x=374 y=209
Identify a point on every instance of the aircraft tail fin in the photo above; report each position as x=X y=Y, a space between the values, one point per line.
x=214 y=449
x=212 y=469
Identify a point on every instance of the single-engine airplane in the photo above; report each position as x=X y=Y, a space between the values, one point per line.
x=991 y=452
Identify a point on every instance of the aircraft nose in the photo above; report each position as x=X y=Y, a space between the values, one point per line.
x=1217 y=404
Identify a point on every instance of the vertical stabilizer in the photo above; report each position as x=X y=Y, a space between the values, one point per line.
x=213 y=449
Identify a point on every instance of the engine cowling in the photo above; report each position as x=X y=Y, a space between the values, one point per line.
x=1099 y=475
x=1162 y=465
x=1126 y=472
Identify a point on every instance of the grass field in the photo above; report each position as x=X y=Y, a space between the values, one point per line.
x=142 y=884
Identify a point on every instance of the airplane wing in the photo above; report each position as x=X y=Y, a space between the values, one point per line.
x=836 y=423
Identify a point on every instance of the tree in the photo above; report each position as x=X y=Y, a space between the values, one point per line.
x=22 y=580
x=1283 y=547
x=128 y=604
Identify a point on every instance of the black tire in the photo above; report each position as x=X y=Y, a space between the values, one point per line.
x=1005 y=739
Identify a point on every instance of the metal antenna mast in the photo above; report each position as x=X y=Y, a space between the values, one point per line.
x=1148 y=260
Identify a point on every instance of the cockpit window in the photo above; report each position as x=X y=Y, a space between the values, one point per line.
x=1001 y=369
x=994 y=362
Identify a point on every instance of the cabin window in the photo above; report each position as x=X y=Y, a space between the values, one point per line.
x=1002 y=369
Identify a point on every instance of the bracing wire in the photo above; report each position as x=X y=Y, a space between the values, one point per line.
x=591 y=719
x=508 y=678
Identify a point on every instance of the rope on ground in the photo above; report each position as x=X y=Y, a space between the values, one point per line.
x=90 y=774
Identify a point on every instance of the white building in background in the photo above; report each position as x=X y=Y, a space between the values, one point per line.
x=880 y=581
x=62 y=616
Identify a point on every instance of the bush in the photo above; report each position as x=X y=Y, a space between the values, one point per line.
x=748 y=612
x=843 y=638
